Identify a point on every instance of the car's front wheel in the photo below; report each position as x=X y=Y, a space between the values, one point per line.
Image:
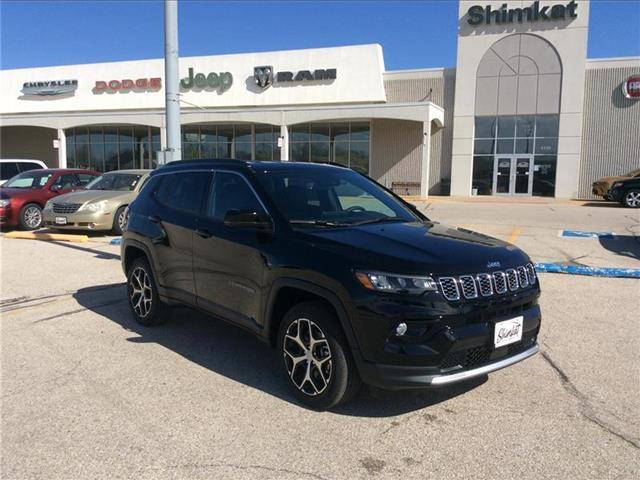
x=30 y=217
x=631 y=198
x=316 y=359
x=120 y=220
x=142 y=294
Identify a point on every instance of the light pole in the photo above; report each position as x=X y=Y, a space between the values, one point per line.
x=173 y=150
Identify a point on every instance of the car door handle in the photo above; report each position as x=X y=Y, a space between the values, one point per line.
x=155 y=219
x=204 y=233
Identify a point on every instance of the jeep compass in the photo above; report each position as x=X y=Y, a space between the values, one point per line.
x=349 y=283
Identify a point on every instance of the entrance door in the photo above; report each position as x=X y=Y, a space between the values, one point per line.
x=513 y=174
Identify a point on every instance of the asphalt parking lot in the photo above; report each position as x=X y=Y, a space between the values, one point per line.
x=87 y=393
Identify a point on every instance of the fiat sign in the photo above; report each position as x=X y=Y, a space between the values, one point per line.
x=631 y=87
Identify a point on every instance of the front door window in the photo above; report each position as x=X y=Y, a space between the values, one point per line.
x=513 y=174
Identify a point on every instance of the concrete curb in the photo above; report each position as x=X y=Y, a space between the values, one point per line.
x=55 y=237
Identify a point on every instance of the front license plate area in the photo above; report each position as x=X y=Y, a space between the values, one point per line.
x=60 y=220
x=508 y=332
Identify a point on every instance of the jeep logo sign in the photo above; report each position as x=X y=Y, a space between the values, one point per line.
x=631 y=87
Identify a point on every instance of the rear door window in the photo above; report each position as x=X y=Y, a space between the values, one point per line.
x=8 y=170
x=183 y=191
x=26 y=166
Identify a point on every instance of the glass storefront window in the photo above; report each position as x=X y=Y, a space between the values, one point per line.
x=485 y=127
x=504 y=146
x=346 y=143
x=506 y=127
x=544 y=175
x=547 y=125
x=524 y=145
x=483 y=174
x=483 y=147
x=546 y=145
x=525 y=126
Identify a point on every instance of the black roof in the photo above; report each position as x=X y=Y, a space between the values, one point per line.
x=240 y=164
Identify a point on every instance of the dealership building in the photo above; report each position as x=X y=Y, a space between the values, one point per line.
x=524 y=112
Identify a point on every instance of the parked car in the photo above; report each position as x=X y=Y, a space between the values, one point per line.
x=100 y=206
x=346 y=280
x=627 y=192
x=11 y=167
x=23 y=197
x=602 y=186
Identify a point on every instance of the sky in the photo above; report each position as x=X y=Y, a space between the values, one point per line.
x=414 y=34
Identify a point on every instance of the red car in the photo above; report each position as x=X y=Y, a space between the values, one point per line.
x=23 y=197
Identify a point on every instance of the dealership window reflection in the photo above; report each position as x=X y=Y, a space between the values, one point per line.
x=346 y=143
x=106 y=148
x=239 y=141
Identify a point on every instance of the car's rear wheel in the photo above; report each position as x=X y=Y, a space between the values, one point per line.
x=120 y=220
x=30 y=217
x=142 y=294
x=316 y=358
x=631 y=198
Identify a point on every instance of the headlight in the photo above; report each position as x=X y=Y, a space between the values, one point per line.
x=95 y=206
x=617 y=184
x=48 y=205
x=5 y=202
x=392 y=283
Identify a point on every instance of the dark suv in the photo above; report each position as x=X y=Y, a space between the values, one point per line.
x=347 y=281
x=627 y=192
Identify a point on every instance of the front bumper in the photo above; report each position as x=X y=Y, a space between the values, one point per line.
x=616 y=194
x=79 y=220
x=6 y=216
x=601 y=189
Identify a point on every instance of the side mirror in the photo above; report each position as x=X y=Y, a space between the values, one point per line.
x=55 y=188
x=235 y=218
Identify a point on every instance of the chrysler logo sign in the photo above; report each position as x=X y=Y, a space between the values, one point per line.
x=631 y=87
x=479 y=14
x=49 y=87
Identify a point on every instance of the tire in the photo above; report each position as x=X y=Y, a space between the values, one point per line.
x=324 y=375
x=142 y=294
x=30 y=217
x=631 y=198
x=119 y=223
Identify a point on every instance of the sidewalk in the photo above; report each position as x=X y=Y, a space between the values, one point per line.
x=512 y=200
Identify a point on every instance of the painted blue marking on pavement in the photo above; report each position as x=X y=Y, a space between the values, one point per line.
x=592 y=271
x=115 y=241
x=581 y=234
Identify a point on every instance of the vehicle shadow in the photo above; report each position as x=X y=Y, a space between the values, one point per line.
x=623 y=245
x=238 y=355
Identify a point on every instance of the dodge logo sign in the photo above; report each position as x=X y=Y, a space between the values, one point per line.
x=631 y=87
x=263 y=76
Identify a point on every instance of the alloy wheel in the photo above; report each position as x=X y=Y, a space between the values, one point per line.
x=633 y=199
x=32 y=217
x=140 y=293
x=307 y=357
x=122 y=220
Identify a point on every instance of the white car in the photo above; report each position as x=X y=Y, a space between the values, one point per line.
x=11 y=167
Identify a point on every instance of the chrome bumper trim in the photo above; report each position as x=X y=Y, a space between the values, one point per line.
x=476 y=372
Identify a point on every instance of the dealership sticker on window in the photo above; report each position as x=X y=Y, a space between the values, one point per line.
x=508 y=332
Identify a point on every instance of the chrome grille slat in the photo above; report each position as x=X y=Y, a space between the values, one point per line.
x=531 y=273
x=512 y=279
x=66 y=207
x=484 y=284
x=522 y=277
x=500 y=282
x=449 y=288
x=468 y=285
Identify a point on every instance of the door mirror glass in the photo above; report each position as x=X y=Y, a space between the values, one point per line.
x=246 y=219
x=56 y=187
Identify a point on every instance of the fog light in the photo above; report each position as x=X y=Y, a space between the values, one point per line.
x=401 y=329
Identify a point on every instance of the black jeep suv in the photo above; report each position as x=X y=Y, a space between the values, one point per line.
x=347 y=281
x=627 y=192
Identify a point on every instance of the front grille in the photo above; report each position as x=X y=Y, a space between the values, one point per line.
x=486 y=285
x=469 y=358
x=468 y=285
x=449 y=288
x=66 y=207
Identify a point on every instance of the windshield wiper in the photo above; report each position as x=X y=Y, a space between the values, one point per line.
x=378 y=220
x=318 y=223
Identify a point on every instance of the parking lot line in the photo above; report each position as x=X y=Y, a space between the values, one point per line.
x=514 y=234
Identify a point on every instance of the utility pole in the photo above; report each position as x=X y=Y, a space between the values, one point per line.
x=172 y=81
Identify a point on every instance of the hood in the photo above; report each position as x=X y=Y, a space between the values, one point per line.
x=89 y=196
x=418 y=248
x=610 y=180
x=17 y=192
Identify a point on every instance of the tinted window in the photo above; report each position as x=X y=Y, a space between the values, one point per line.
x=231 y=192
x=8 y=170
x=25 y=166
x=68 y=180
x=85 y=178
x=336 y=196
x=182 y=191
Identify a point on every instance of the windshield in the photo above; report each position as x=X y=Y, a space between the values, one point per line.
x=122 y=182
x=33 y=179
x=331 y=197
